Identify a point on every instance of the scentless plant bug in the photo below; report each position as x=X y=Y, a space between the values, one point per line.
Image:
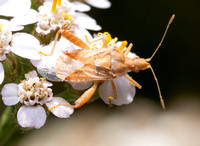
x=91 y=64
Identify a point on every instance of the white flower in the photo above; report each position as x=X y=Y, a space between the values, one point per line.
x=19 y=9
x=6 y=28
x=33 y=93
x=64 y=17
x=125 y=91
x=80 y=6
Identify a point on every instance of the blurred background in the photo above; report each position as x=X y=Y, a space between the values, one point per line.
x=143 y=122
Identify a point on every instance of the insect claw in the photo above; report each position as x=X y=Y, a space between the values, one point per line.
x=110 y=101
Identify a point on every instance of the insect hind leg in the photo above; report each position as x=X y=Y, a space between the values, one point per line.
x=82 y=99
x=86 y=96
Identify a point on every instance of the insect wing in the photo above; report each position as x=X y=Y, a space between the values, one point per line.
x=84 y=65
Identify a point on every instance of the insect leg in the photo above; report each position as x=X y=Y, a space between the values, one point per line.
x=81 y=100
x=85 y=96
x=74 y=39
x=132 y=81
x=114 y=89
x=103 y=40
x=128 y=49
x=114 y=92
x=54 y=44
x=110 y=101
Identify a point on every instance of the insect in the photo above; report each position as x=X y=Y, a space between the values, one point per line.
x=97 y=65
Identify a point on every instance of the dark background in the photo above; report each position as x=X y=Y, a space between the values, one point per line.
x=142 y=23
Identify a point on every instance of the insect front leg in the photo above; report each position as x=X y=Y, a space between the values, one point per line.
x=74 y=39
x=54 y=44
x=128 y=49
x=133 y=81
x=100 y=39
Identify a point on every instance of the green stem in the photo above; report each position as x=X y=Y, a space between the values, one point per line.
x=8 y=125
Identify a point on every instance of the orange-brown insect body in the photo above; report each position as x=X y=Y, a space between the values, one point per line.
x=97 y=64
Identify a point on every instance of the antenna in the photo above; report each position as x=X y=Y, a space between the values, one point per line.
x=170 y=21
x=159 y=91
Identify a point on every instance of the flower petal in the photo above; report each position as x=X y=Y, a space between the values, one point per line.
x=10 y=94
x=81 y=7
x=131 y=55
x=125 y=91
x=26 y=45
x=60 y=111
x=1 y=73
x=29 y=18
x=14 y=7
x=31 y=74
x=103 y=4
x=11 y=26
x=31 y=116
x=87 y=22
x=81 y=32
x=81 y=86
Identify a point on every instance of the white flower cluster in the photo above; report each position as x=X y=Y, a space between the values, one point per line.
x=34 y=93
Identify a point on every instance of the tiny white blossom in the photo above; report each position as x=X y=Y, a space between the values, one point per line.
x=33 y=93
x=6 y=28
x=64 y=17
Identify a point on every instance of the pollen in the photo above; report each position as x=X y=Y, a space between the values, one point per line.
x=110 y=98
x=66 y=16
x=124 y=44
x=1 y=27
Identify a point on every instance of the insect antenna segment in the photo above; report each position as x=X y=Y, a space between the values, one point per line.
x=149 y=59
x=170 y=21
